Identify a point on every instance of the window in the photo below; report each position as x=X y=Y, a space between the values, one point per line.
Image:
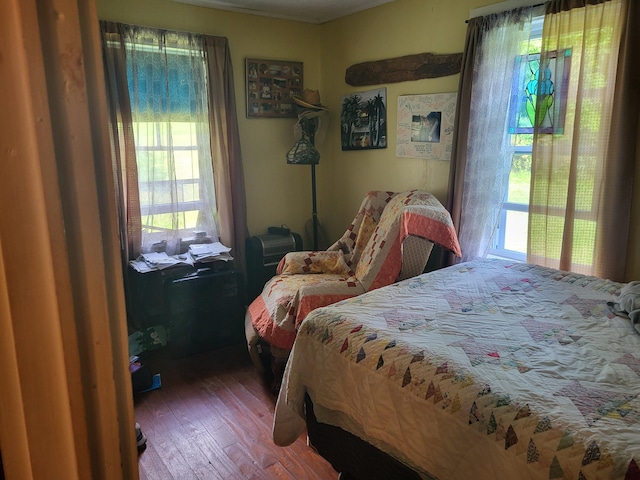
x=537 y=102
x=173 y=124
x=169 y=106
x=510 y=240
x=169 y=175
x=564 y=116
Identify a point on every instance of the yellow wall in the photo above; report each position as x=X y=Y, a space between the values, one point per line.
x=276 y=192
x=399 y=28
x=280 y=193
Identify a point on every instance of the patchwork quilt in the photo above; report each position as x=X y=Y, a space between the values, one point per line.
x=488 y=370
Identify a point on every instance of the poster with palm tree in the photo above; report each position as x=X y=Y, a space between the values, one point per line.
x=363 y=120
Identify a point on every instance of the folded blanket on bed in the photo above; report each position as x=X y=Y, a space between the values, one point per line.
x=628 y=304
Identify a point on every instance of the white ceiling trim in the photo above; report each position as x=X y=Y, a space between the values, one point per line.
x=316 y=11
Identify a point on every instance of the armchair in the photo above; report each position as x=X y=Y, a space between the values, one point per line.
x=390 y=239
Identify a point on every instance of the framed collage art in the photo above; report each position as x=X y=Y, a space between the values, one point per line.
x=271 y=84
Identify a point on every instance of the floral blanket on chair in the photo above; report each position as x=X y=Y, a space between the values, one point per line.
x=366 y=257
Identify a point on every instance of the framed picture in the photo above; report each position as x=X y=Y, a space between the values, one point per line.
x=425 y=126
x=363 y=120
x=271 y=84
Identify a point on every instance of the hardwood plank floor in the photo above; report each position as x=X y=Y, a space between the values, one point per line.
x=212 y=419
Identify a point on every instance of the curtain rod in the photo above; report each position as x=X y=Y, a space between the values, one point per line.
x=525 y=6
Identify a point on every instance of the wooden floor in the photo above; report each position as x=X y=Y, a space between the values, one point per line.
x=212 y=419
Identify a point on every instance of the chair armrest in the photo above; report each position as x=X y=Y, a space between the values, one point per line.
x=314 y=262
x=326 y=293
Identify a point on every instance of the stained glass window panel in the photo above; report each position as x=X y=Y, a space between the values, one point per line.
x=539 y=92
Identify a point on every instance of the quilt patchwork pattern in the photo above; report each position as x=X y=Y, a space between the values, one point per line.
x=553 y=381
x=366 y=257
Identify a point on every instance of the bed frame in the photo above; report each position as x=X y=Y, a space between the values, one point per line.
x=354 y=458
x=382 y=430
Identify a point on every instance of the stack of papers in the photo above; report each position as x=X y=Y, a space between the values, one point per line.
x=149 y=262
x=161 y=260
x=209 y=252
x=200 y=253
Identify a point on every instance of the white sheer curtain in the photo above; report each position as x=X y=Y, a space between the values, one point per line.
x=167 y=83
x=502 y=38
x=580 y=189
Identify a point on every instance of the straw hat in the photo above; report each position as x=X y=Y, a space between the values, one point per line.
x=310 y=99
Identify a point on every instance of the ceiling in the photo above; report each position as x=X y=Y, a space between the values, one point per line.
x=310 y=11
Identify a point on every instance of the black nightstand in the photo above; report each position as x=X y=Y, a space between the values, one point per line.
x=205 y=311
x=201 y=308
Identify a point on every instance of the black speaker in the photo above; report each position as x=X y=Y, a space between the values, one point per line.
x=263 y=253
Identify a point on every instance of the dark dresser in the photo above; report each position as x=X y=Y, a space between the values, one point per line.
x=201 y=307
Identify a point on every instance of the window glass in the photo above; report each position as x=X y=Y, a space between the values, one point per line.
x=168 y=93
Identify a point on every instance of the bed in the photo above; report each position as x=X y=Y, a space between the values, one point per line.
x=487 y=369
